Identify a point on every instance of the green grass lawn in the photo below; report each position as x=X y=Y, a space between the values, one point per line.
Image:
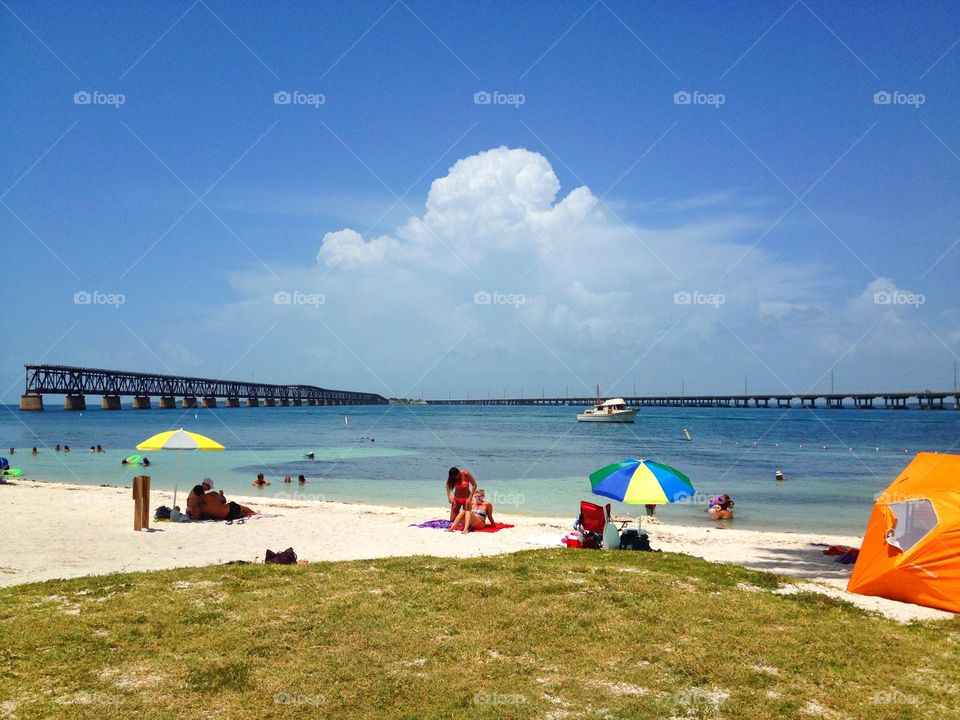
x=539 y=634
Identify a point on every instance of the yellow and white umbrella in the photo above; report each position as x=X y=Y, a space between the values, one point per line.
x=179 y=440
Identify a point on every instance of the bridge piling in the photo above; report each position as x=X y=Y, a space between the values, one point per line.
x=210 y=402
x=231 y=402
x=32 y=403
x=141 y=402
x=189 y=402
x=110 y=402
x=167 y=403
x=74 y=402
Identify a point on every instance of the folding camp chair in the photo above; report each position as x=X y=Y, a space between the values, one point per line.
x=591 y=522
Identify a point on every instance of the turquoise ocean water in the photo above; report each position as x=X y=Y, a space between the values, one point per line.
x=531 y=460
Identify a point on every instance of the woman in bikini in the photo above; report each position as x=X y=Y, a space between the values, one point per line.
x=460 y=489
x=476 y=515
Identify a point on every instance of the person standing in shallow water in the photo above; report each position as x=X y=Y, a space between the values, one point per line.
x=460 y=489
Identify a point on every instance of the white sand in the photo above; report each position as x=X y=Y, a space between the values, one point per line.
x=53 y=530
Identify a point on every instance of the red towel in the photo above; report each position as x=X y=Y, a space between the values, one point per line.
x=488 y=528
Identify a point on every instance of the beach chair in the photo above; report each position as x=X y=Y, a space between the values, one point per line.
x=591 y=522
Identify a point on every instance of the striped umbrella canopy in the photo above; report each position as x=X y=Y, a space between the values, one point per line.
x=179 y=440
x=641 y=482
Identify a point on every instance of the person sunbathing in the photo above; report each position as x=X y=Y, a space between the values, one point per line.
x=476 y=515
x=214 y=506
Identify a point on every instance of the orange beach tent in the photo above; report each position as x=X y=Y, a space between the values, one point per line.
x=911 y=549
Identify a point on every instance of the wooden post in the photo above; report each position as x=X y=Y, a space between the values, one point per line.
x=141 y=502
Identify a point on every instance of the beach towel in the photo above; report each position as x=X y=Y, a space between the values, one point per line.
x=445 y=525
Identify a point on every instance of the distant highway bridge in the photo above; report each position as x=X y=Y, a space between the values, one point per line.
x=75 y=383
x=924 y=399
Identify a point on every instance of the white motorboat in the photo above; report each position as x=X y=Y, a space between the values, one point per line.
x=613 y=410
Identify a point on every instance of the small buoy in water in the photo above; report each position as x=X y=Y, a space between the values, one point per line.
x=686 y=434
x=777 y=445
x=345 y=421
x=823 y=447
x=876 y=449
x=801 y=445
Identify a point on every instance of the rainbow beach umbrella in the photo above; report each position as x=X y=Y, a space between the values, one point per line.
x=641 y=482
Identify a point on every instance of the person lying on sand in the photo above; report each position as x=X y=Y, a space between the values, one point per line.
x=479 y=513
x=214 y=506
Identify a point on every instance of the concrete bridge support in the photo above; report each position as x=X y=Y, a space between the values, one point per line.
x=189 y=402
x=31 y=402
x=863 y=403
x=74 y=402
x=110 y=402
x=269 y=402
x=296 y=402
x=835 y=403
x=283 y=402
x=231 y=402
x=167 y=403
x=141 y=402
x=210 y=402
x=253 y=402
x=895 y=403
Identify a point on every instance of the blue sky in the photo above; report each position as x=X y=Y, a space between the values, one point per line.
x=585 y=226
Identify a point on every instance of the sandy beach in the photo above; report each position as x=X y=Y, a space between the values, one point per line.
x=54 y=530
